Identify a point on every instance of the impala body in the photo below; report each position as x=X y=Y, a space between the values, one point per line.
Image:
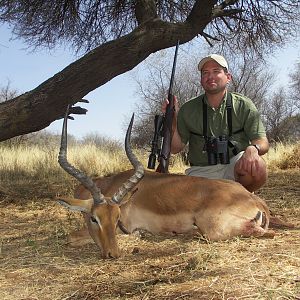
x=163 y=203
x=166 y=203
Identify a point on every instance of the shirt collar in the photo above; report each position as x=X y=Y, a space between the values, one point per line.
x=223 y=102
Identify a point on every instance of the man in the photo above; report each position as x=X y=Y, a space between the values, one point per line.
x=216 y=118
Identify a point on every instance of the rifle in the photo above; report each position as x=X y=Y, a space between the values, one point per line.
x=161 y=143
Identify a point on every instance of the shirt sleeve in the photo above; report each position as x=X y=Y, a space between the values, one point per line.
x=253 y=125
x=182 y=126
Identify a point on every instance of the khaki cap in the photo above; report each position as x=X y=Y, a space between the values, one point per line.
x=216 y=57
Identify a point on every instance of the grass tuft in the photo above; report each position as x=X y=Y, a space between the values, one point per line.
x=283 y=156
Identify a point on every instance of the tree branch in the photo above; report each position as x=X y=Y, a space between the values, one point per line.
x=145 y=10
x=225 y=12
x=38 y=108
x=201 y=12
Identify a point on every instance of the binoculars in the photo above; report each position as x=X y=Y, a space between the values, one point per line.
x=217 y=150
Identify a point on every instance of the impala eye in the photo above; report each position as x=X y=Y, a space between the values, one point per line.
x=94 y=220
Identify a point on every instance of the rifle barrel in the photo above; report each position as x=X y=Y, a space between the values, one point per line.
x=168 y=120
x=173 y=70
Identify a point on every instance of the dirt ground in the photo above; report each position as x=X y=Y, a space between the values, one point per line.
x=37 y=263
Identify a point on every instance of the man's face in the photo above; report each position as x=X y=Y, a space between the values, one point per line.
x=213 y=78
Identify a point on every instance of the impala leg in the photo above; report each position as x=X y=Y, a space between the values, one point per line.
x=225 y=223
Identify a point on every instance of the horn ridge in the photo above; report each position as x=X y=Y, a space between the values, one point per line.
x=86 y=181
x=138 y=168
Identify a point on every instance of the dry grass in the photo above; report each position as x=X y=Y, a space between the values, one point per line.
x=23 y=166
x=284 y=156
x=37 y=263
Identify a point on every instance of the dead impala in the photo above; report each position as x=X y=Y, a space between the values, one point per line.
x=161 y=203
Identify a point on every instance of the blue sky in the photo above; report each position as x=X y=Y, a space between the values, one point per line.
x=111 y=104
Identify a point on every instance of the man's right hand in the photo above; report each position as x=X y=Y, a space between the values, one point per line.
x=177 y=144
x=166 y=102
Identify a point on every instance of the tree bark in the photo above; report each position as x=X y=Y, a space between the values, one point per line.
x=36 y=109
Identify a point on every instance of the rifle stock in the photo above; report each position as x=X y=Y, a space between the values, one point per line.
x=165 y=153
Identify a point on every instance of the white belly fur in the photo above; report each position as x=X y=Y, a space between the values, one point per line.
x=155 y=223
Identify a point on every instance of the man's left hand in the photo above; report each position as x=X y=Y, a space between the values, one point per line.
x=250 y=163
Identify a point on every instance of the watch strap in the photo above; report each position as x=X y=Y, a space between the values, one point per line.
x=257 y=147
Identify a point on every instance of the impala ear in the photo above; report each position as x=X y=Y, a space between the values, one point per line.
x=76 y=204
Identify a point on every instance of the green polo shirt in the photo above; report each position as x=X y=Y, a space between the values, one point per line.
x=246 y=125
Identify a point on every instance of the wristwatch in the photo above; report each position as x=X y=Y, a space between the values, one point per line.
x=257 y=147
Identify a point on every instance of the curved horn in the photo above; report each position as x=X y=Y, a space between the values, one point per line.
x=138 y=167
x=87 y=182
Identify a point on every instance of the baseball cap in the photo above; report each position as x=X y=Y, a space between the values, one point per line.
x=216 y=57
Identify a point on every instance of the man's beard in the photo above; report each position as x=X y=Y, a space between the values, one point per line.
x=215 y=91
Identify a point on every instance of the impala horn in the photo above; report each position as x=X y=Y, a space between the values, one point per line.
x=86 y=181
x=138 y=168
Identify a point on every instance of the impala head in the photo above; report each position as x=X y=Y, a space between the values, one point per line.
x=101 y=213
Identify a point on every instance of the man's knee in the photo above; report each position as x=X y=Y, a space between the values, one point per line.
x=251 y=183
